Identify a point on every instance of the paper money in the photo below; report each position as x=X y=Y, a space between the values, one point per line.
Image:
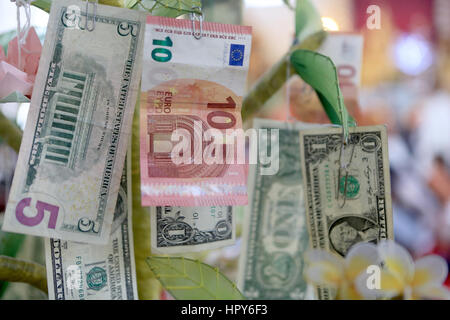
x=79 y=271
x=73 y=149
x=346 y=206
x=274 y=233
x=191 y=229
x=191 y=86
x=346 y=51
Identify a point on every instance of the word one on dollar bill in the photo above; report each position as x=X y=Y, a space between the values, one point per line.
x=275 y=234
x=191 y=229
x=75 y=140
x=189 y=83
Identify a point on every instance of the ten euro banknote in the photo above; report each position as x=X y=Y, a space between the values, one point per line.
x=78 y=271
x=347 y=188
x=191 y=229
x=275 y=235
x=73 y=149
x=192 y=88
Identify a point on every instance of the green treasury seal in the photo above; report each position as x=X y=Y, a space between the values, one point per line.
x=96 y=278
x=352 y=186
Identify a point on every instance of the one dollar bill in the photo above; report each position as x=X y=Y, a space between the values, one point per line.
x=347 y=188
x=78 y=271
x=73 y=149
x=274 y=233
x=191 y=229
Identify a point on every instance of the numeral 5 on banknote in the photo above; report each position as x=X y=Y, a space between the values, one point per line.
x=73 y=149
x=191 y=94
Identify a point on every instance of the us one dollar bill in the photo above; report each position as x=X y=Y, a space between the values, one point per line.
x=73 y=149
x=274 y=233
x=79 y=271
x=347 y=188
x=191 y=229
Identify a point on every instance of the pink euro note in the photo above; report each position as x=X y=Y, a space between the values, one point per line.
x=178 y=114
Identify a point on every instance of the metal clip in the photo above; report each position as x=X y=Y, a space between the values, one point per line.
x=343 y=168
x=94 y=4
x=197 y=17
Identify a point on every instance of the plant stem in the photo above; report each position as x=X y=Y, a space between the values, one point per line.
x=271 y=81
x=17 y=270
x=10 y=132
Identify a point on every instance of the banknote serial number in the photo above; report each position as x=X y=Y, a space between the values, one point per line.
x=229 y=309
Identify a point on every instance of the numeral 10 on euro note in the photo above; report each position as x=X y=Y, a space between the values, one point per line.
x=160 y=54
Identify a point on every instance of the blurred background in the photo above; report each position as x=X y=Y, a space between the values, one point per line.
x=405 y=84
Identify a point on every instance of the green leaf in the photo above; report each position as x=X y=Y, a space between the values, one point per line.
x=165 y=8
x=5 y=38
x=191 y=279
x=307 y=20
x=320 y=73
x=42 y=4
x=288 y=4
x=15 y=97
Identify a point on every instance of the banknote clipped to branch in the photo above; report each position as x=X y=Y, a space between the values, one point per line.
x=84 y=114
x=190 y=279
x=320 y=73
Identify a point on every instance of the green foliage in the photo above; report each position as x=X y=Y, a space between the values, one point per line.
x=15 y=97
x=5 y=38
x=165 y=8
x=10 y=244
x=320 y=73
x=191 y=279
x=288 y=3
x=43 y=4
x=307 y=20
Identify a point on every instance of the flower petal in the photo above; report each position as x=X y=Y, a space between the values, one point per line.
x=387 y=287
x=397 y=260
x=431 y=270
x=433 y=293
x=360 y=256
x=324 y=273
x=348 y=292
x=317 y=255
